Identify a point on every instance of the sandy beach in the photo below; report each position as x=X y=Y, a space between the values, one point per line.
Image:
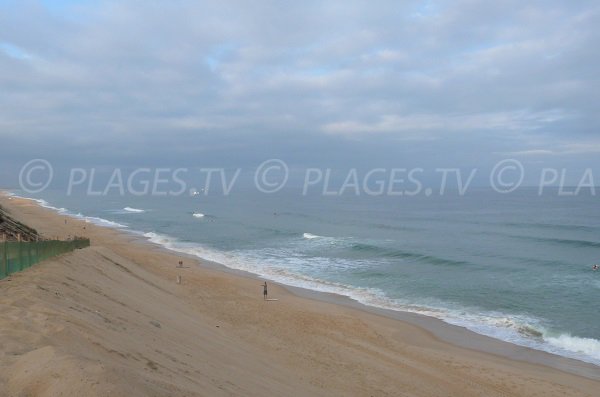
x=112 y=320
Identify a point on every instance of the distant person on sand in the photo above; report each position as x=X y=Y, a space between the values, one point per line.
x=265 y=293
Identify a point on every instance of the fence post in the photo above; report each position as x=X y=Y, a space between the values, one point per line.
x=20 y=250
x=28 y=254
x=4 y=260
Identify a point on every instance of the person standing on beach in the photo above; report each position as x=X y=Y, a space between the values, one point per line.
x=265 y=291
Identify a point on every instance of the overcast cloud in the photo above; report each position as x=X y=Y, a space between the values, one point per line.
x=231 y=83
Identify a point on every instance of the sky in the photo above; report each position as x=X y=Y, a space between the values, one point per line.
x=318 y=84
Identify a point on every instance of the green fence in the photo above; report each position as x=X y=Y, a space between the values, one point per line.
x=16 y=256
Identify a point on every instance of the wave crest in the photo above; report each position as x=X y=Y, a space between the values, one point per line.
x=133 y=210
x=310 y=236
x=588 y=346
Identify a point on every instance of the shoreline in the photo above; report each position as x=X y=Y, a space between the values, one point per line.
x=451 y=333
x=429 y=327
x=447 y=332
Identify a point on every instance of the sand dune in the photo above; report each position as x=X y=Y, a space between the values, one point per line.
x=111 y=320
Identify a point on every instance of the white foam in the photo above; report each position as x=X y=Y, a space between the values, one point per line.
x=198 y=215
x=133 y=210
x=45 y=204
x=310 y=236
x=587 y=346
x=158 y=238
x=63 y=211
x=99 y=221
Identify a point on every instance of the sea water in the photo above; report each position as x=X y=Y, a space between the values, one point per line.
x=516 y=267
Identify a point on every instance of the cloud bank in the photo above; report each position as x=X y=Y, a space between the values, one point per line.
x=229 y=83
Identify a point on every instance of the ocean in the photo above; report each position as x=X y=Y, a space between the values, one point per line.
x=516 y=267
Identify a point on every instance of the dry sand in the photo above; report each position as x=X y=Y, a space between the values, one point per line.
x=110 y=320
